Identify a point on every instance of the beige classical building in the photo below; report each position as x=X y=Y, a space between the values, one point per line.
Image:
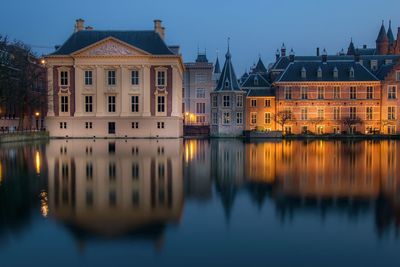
x=115 y=84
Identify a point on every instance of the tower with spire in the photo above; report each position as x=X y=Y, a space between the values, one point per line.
x=227 y=103
x=216 y=71
x=382 y=42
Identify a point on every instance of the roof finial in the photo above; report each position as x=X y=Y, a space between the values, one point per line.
x=228 y=54
x=383 y=22
x=229 y=39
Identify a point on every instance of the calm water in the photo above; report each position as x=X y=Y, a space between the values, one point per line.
x=198 y=202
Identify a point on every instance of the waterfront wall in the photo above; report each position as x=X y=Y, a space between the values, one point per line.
x=21 y=137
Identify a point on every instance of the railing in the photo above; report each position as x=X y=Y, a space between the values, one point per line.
x=20 y=130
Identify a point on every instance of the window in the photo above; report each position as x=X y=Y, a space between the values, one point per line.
x=135 y=77
x=319 y=72
x=320 y=91
x=267 y=103
x=336 y=129
x=160 y=103
x=351 y=73
x=335 y=73
x=111 y=103
x=392 y=91
x=254 y=102
x=64 y=78
x=391 y=129
x=336 y=92
x=111 y=127
x=398 y=76
x=200 y=119
x=320 y=113
x=135 y=103
x=214 y=101
x=214 y=118
x=353 y=92
x=226 y=118
x=288 y=92
x=135 y=125
x=304 y=114
x=111 y=77
x=88 y=77
x=239 y=100
x=200 y=93
x=160 y=125
x=226 y=83
x=374 y=64
x=369 y=113
x=200 y=108
x=370 y=92
x=391 y=113
x=353 y=113
x=161 y=78
x=88 y=103
x=304 y=92
x=267 y=118
x=225 y=101
x=64 y=103
x=253 y=117
x=88 y=125
x=336 y=113
x=239 y=117
x=63 y=125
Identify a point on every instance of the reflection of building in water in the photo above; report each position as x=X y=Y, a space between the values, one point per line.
x=197 y=169
x=114 y=188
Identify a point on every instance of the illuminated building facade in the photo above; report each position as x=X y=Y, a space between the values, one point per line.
x=115 y=84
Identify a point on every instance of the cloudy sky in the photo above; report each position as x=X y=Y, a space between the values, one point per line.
x=256 y=27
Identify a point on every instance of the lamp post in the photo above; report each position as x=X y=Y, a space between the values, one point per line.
x=37 y=114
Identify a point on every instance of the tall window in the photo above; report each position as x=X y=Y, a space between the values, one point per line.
x=253 y=117
x=336 y=113
x=135 y=77
x=111 y=103
x=369 y=113
x=336 y=92
x=111 y=80
x=392 y=91
x=267 y=103
x=64 y=78
x=200 y=93
x=239 y=100
x=320 y=91
x=160 y=103
x=226 y=101
x=214 y=118
x=200 y=108
x=353 y=92
x=226 y=118
x=370 y=92
x=320 y=113
x=88 y=77
x=304 y=93
x=214 y=101
x=391 y=113
x=88 y=103
x=239 y=117
x=353 y=112
x=254 y=102
x=304 y=114
x=135 y=103
x=288 y=92
x=267 y=118
x=161 y=78
x=64 y=103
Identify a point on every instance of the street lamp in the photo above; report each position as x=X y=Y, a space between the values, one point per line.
x=37 y=114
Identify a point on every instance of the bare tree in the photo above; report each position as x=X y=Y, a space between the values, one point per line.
x=283 y=117
x=315 y=122
x=349 y=122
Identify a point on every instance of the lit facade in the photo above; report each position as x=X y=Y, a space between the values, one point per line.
x=115 y=84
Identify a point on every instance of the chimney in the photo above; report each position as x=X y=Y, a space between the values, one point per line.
x=283 y=50
x=324 y=56
x=365 y=46
x=89 y=28
x=277 y=55
x=291 y=55
x=79 y=25
x=158 y=28
x=317 y=51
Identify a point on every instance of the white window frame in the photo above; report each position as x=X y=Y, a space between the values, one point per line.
x=239 y=118
x=369 y=113
x=267 y=103
x=135 y=79
x=370 y=92
x=267 y=118
x=163 y=111
x=391 y=113
x=111 y=79
x=88 y=77
x=111 y=105
x=214 y=101
x=253 y=118
x=226 y=101
x=161 y=77
x=64 y=107
x=239 y=100
x=392 y=94
x=135 y=105
x=88 y=106
x=226 y=118
x=62 y=80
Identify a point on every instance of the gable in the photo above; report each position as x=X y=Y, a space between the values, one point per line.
x=109 y=47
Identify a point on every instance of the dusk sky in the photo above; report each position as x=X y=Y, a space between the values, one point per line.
x=256 y=27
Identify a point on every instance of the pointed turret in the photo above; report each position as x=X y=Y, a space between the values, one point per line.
x=217 y=69
x=260 y=67
x=382 y=42
x=228 y=80
x=390 y=34
x=351 y=51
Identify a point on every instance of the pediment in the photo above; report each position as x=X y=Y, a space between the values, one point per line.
x=110 y=47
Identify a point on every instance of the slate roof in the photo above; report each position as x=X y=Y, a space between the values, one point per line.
x=260 y=67
x=228 y=75
x=382 y=36
x=255 y=80
x=384 y=70
x=261 y=92
x=202 y=58
x=365 y=51
x=351 y=51
x=390 y=33
x=148 y=41
x=217 y=68
x=293 y=72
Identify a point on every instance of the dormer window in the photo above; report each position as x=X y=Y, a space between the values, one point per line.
x=319 y=72
x=374 y=64
x=256 y=80
x=303 y=73
x=335 y=73
x=351 y=73
x=226 y=83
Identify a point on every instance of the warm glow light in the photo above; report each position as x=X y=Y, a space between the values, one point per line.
x=37 y=162
x=44 y=207
x=42 y=61
x=37 y=114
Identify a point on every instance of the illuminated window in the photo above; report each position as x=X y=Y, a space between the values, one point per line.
x=253 y=117
x=267 y=118
x=267 y=103
x=226 y=118
x=392 y=94
x=88 y=77
x=369 y=113
x=391 y=113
